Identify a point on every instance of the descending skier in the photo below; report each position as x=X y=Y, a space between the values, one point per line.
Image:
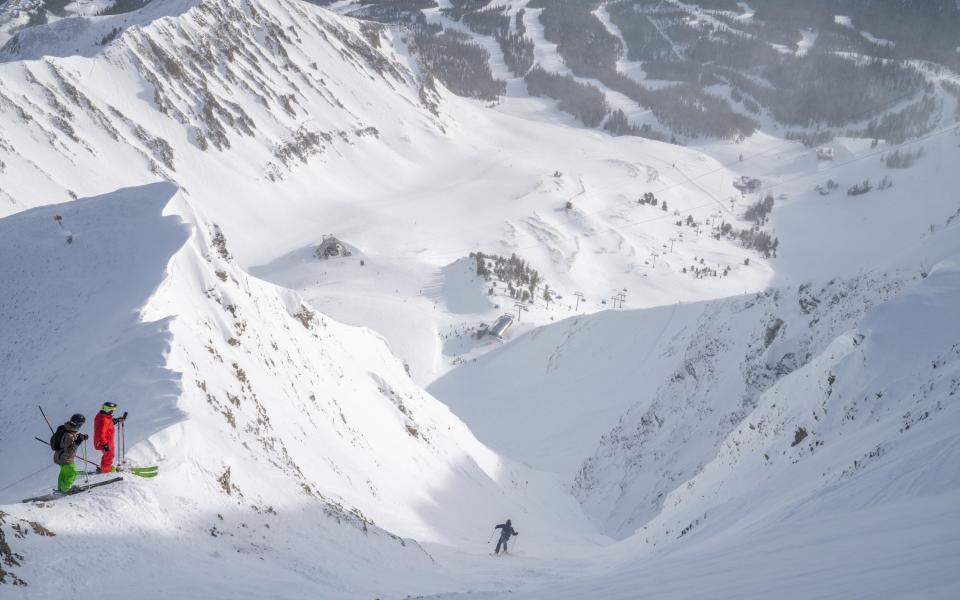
x=506 y=530
x=103 y=435
x=64 y=442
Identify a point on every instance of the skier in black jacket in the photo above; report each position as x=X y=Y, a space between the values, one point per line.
x=506 y=530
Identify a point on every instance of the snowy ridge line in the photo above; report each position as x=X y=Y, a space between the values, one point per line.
x=294 y=408
x=253 y=106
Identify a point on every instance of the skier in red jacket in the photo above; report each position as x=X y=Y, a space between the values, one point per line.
x=103 y=435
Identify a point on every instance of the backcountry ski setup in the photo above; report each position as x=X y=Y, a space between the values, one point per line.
x=67 y=439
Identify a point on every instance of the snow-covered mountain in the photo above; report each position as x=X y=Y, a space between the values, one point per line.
x=840 y=472
x=261 y=412
x=277 y=222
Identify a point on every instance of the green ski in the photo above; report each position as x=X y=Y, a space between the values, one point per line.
x=139 y=471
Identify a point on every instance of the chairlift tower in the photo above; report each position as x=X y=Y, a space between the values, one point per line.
x=580 y=297
x=520 y=308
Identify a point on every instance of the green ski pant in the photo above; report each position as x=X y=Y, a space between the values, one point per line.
x=68 y=473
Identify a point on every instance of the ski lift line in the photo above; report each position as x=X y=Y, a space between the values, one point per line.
x=631 y=224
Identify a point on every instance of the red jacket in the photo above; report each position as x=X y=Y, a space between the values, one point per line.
x=102 y=430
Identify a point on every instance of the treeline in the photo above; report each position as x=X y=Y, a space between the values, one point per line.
x=896 y=127
x=492 y=22
x=644 y=40
x=516 y=47
x=811 y=139
x=826 y=89
x=925 y=29
x=819 y=87
x=591 y=51
x=582 y=40
x=462 y=66
x=585 y=102
x=458 y=8
x=394 y=11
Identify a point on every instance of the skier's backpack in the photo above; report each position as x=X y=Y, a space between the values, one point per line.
x=57 y=438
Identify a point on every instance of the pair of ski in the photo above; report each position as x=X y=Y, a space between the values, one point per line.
x=74 y=490
x=139 y=471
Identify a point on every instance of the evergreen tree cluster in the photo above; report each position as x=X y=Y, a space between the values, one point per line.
x=583 y=41
x=517 y=52
x=902 y=160
x=462 y=66
x=914 y=120
x=516 y=47
x=522 y=280
x=758 y=212
x=618 y=123
x=839 y=80
x=648 y=198
x=395 y=11
x=811 y=139
x=591 y=51
x=459 y=8
x=492 y=21
x=827 y=85
x=753 y=237
x=585 y=102
x=860 y=188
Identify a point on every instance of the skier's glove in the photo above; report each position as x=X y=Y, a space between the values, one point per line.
x=82 y=437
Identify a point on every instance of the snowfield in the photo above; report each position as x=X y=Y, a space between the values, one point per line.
x=675 y=416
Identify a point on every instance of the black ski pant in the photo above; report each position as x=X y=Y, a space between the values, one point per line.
x=502 y=542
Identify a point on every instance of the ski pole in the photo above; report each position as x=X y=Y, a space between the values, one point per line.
x=45 y=418
x=47 y=444
x=123 y=438
x=490 y=539
x=86 y=478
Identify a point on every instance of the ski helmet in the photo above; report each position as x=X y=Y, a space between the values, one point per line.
x=508 y=522
x=78 y=419
x=109 y=407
